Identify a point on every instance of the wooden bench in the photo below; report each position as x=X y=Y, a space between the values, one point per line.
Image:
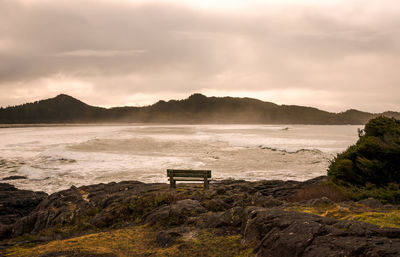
x=189 y=175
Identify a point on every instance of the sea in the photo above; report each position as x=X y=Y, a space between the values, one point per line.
x=53 y=158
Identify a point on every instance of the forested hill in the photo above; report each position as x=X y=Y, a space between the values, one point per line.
x=195 y=109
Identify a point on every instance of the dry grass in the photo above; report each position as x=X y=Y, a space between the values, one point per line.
x=139 y=241
x=317 y=191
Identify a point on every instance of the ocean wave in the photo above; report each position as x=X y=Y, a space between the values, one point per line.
x=314 y=151
x=33 y=173
x=10 y=164
x=164 y=146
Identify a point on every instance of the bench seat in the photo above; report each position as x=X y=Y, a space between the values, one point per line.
x=190 y=179
x=189 y=175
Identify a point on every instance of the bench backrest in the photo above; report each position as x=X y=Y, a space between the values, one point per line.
x=189 y=173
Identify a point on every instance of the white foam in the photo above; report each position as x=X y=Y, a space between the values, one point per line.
x=33 y=173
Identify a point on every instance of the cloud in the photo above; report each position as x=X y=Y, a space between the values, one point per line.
x=349 y=50
x=93 y=53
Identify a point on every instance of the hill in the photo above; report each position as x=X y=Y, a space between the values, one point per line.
x=196 y=109
x=60 y=109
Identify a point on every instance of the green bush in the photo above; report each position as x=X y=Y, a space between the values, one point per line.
x=373 y=160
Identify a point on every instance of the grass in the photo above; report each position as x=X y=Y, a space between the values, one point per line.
x=140 y=241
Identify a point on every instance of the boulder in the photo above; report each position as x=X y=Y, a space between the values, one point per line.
x=215 y=205
x=176 y=213
x=99 y=204
x=283 y=233
x=16 y=203
x=229 y=218
x=259 y=199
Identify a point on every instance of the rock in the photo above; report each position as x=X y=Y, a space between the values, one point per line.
x=216 y=205
x=315 y=181
x=167 y=238
x=282 y=233
x=175 y=214
x=14 y=177
x=265 y=201
x=15 y=203
x=371 y=203
x=318 y=201
x=233 y=217
x=187 y=206
x=278 y=189
x=102 y=205
x=209 y=220
x=389 y=232
x=78 y=205
x=159 y=216
x=230 y=218
x=258 y=199
x=253 y=208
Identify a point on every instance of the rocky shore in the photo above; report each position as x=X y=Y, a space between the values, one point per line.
x=265 y=215
x=15 y=203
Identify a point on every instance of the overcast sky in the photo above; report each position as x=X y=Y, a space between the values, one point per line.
x=330 y=54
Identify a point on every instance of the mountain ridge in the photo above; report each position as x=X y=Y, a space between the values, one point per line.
x=196 y=109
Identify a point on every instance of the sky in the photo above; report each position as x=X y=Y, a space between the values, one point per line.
x=330 y=54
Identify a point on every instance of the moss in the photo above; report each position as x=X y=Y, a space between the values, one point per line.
x=382 y=219
x=93 y=211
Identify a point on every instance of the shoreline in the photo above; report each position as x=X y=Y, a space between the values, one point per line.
x=9 y=181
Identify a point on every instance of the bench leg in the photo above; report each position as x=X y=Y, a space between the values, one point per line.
x=172 y=184
x=206 y=184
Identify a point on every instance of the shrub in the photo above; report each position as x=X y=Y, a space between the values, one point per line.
x=374 y=159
